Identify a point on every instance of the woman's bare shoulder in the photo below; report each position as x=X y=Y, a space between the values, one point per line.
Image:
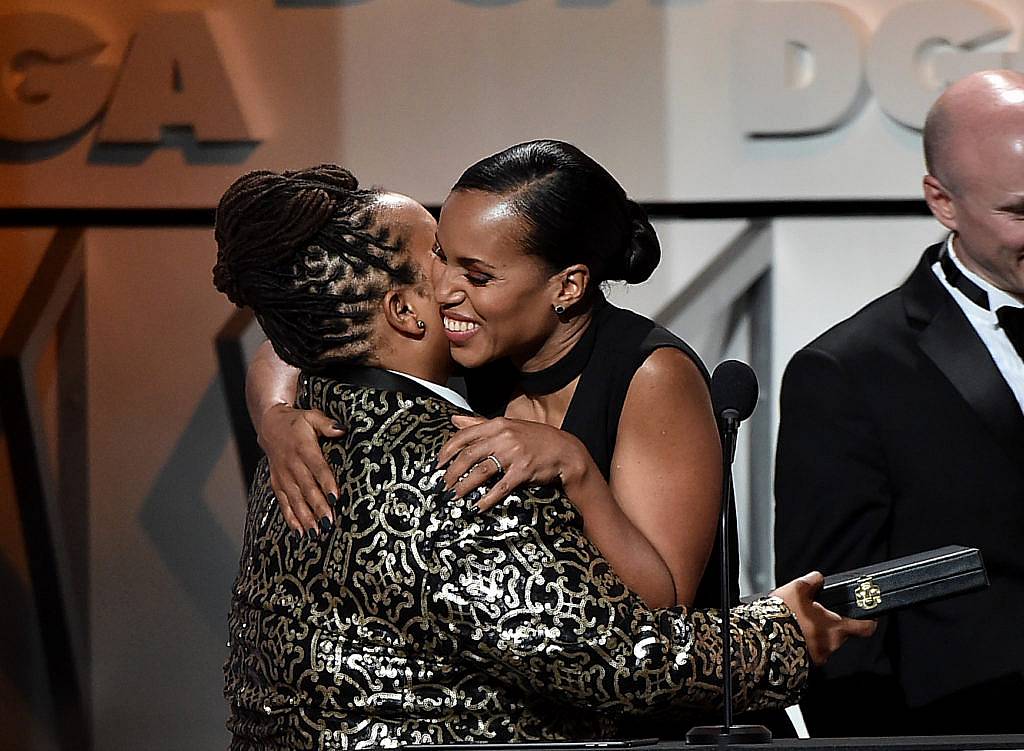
x=671 y=375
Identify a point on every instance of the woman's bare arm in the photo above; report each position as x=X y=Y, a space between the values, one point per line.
x=534 y=453
x=270 y=382
x=299 y=475
x=667 y=465
x=655 y=521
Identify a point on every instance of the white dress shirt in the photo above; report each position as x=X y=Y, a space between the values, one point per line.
x=449 y=395
x=1010 y=364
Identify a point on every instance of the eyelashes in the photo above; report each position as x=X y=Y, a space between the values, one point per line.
x=476 y=278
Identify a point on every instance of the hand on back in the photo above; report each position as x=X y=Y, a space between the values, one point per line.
x=300 y=476
x=521 y=451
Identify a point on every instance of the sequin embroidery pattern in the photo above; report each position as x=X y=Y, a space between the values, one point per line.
x=417 y=621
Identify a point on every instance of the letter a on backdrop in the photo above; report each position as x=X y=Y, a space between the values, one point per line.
x=173 y=75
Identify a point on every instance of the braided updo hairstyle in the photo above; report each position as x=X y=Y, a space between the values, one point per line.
x=304 y=250
x=574 y=210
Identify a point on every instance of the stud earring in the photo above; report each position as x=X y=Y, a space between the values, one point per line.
x=420 y=325
x=559 y=309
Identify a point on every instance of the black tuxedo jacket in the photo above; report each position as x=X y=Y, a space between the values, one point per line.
x=899 y=434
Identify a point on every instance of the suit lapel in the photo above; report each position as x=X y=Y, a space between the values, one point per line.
x=950 y=342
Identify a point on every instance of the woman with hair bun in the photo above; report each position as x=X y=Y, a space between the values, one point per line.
x=599 y=399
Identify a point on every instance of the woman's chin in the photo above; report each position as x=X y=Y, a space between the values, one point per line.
x=468 y=356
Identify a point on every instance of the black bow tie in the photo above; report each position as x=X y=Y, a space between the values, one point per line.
x=1011 y=319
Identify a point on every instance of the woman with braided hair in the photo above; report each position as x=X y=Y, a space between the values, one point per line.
x=313 y=302
x=415 y=617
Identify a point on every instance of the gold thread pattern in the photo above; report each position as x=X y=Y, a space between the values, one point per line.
x=416 y=621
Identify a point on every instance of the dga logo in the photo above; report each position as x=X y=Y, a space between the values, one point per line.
x=172 y=77
x=867 y=595
x=806 y=67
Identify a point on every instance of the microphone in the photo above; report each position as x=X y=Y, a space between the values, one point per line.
x=733 y=398
x=733 y=391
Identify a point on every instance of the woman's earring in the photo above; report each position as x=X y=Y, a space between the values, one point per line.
x=559 y=309
x=420 y=325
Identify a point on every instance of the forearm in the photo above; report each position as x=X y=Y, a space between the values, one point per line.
x=269 y=381
x=526 y=594
x=630 y=554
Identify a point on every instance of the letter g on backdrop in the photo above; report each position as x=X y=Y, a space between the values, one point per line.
x=806 y=67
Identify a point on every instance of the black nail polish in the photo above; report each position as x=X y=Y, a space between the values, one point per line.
x=311 y=533
x=325 y=524
x=296 y=535
x=332 y=499
x=337 y=426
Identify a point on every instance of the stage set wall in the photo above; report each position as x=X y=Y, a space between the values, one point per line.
x=668 y=94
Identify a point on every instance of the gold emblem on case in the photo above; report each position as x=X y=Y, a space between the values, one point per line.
x=867 y=594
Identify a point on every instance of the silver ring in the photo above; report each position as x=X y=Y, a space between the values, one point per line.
x=497 y=464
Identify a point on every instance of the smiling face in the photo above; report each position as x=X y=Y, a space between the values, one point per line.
x=989 y=216
x=977 y=188
x=496 y=300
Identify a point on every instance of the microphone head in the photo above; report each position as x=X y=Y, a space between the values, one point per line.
x=734 y=387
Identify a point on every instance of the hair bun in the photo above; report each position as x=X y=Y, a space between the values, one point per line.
x=264 y=215
x=328 y=176
x=225 y=282
x=643 y=250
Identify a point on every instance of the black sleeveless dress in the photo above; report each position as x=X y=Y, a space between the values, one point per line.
x=612 y=349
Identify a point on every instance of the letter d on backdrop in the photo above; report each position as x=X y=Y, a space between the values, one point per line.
x=799 y=67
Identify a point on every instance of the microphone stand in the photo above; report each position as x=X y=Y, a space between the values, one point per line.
x=727 y=734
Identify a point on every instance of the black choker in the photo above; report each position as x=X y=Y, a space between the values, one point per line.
x=562 y=373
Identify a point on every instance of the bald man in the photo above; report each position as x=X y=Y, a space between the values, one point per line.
x=902 y=429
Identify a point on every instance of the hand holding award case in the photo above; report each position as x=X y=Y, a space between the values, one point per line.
x=892 y=585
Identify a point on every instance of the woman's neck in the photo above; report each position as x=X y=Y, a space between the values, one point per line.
x=549 y=409
x=557 y=345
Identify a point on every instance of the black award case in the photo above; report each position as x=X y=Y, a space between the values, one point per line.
x=892 y=585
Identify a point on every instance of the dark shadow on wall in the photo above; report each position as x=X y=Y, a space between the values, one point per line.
x=17 y=152
x=182 y=528
x=231 y=360
x=181 y=138
x=25 y=694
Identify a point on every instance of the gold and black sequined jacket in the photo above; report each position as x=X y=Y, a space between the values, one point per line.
x=416 y=621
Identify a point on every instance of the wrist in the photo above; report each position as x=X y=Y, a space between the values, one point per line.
x=263 y=413
x=576 y=467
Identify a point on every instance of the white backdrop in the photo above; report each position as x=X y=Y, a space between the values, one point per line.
x=409 y=93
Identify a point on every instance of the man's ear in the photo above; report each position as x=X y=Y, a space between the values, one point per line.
x=573 y=283
x=940 y=201
x=400 y=313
